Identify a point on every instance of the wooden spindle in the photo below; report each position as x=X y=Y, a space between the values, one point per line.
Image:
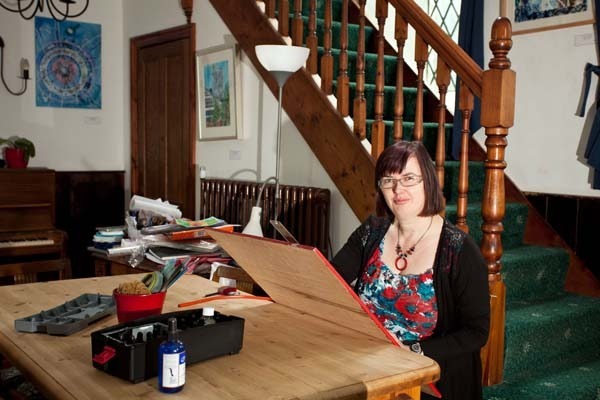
x=400 y=34
x=312 y=42
x=360 y=104
x=270 y=8
x=297 y=24
x=378 y=128
x=283 y=16
x=343 y=81
x=443 y=80
x=421 y=59
x=497 y=116
x=327 y=57
x=188 y=8
x=465 y=105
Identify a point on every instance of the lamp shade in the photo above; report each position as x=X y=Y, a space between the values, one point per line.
x=253 y=226
x=284 y=58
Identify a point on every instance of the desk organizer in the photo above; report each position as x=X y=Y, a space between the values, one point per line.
x=130 y=350
x=70 y=317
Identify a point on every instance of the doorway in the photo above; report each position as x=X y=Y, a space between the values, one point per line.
x=163 y=116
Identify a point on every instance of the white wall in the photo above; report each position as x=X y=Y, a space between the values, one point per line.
x=253 y=156
x=67 y=138
x=544 y=146
x=542 y=153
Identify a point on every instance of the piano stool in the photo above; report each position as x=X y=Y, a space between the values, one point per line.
x=27 y=272
x=13 y=385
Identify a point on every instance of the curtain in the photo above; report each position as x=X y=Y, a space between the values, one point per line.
x=592 y=149
x=470 y=38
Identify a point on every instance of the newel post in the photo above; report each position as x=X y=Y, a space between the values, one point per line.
x=497 y=116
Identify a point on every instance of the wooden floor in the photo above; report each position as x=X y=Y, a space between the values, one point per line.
x=13 y=385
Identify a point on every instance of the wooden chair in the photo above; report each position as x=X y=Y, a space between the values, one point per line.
x=27 y=272
x=243 y=281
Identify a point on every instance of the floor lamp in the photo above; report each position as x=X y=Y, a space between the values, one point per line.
x=281 y=61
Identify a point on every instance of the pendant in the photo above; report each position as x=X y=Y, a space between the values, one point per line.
x=401 y=257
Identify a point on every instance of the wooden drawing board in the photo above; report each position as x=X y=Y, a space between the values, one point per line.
x=301 y=278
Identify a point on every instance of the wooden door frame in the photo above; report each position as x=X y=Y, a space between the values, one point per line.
x=187 y=31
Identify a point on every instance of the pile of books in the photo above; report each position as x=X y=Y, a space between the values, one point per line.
x=108 y=237
x=186 y=238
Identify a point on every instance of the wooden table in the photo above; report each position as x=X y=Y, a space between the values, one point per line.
x=286 y=354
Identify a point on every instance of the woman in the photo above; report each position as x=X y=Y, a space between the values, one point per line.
x=422 y=277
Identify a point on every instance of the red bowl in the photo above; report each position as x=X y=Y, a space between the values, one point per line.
x=134 y=306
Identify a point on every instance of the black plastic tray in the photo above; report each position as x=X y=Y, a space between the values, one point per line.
x=70 y=317
x=130 y=350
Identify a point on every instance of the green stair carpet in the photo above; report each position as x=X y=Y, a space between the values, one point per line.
x=552 y=342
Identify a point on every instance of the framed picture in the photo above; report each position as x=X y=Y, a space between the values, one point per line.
x=529 y=16
x=68 y=64
x=219 y=94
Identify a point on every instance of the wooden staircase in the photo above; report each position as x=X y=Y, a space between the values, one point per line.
x=348 y=163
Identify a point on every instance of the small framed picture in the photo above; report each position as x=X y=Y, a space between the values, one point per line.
x=219 y=93
x=529 y=16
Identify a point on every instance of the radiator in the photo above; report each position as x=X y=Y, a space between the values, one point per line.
x=304 y=210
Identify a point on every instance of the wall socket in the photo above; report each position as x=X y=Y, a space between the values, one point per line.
x=585 y=39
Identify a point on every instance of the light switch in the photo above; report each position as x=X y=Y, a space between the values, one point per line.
x=585 y=39
x=235 y=155
x=92 y=120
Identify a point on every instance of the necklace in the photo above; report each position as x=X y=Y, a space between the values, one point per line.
x=403 y=255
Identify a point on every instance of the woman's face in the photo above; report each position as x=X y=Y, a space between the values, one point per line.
x=406 y=202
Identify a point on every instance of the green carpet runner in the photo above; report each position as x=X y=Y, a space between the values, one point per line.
x=552 y=343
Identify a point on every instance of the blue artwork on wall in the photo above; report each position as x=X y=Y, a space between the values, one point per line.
x=216 y=93
x=67 y=64
x=528 y=10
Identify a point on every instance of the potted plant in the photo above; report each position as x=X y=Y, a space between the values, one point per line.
x=17 y=151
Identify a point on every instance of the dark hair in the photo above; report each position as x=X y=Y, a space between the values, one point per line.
x=393 y=160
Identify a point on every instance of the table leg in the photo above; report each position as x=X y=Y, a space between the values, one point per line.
x=101 y=267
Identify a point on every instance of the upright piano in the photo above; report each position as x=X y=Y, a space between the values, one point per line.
x=27 y=212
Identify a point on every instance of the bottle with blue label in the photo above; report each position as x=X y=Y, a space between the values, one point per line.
x=171 y=361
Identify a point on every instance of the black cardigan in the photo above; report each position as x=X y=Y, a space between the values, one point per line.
x=462 y=292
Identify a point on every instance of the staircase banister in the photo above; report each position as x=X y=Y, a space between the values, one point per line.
x=452 y=54
x=343 y=157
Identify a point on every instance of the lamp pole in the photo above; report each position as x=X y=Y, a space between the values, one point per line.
x=281 y=61
x=279 y=76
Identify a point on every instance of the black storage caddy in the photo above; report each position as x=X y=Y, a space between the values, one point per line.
x=130 y=350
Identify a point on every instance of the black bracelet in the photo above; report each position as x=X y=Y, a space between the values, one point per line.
x=416 y=348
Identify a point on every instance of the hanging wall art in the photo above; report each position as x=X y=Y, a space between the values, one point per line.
x=219 y=91
x=68 y=64
x=528 y=16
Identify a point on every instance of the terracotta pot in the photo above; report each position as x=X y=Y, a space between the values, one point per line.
x=15 y=158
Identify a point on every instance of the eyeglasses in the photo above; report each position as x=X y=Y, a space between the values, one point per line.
x=404 y=181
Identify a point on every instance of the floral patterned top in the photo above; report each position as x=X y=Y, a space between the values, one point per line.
x=405 y=304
